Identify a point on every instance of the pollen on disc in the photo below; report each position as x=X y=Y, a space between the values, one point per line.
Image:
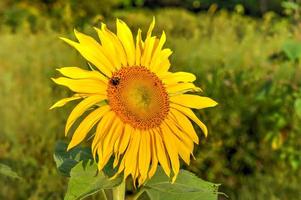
x=138 y=97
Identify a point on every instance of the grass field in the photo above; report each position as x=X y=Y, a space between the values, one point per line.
x=253 y=148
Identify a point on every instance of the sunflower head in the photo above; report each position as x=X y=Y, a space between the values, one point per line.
x=138 y=96
x=141 y=111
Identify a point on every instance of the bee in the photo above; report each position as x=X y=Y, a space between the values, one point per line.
x=115 y=81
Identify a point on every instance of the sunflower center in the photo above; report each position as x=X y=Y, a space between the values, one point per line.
x=138 y=97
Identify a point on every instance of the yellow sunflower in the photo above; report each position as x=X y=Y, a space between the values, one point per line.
x=141 y=112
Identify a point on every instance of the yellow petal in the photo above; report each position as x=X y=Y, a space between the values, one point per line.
x=151 y=27
x=165 y=65
x=186 y=111
x=82 y=85
x=161 y=153
x=139 y=48
x=86 y=125
x=97 y=151
x=78 y=73
x=160 y=63
x=184 y=137
x=149 y=46
x=148 y=51
x=92 y=44
x=193 y=101
x=101 y=131
x=119 y=138
x=127 y=133
x=108 y=46
x=63 y=102
x=81 y=108
x=182 y=88
x=184 y=152
x=115 y=138
x=120 y=169
x=93 y=55
x=144 y=154
x=126 y=38
x=172 y=149
x=107 y=149
x=131 y=154
x=107 y=140
x=178 y=77
x=141 y=180
x=184 y=123
x=116 y=159
x=118 y=135
x=154 y=158
x=157 y=53
x=184 y=143
x=117 y=45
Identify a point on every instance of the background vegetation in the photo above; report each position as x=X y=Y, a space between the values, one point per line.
x=246 y=57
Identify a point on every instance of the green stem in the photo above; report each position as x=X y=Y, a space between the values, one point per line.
x=119 y=192
x=103 y=193
x=138 y=194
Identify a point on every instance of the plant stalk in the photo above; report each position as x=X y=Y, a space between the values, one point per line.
x=119 y=191
x=138 y=194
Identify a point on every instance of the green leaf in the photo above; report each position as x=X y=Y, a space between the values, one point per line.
x=86 y=180
x=187 y=186
x=66 y=160
x=298 y=107
x=292 y=49
x=7 y=171
x=290 y=5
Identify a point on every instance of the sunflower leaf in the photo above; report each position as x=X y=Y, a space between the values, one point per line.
x=7 y=171
x=66 y=160
x=186 y=186
x=86 y=180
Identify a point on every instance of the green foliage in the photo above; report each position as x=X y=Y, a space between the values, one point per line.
x=54 y=14
x=298 y=107
x=252 y=7
x=60 y=15
x=85 y=180
x=292 y=9
x=7 y=171
x=28 y=129
x=292 y=49
x=65 y=161
x=186 y=186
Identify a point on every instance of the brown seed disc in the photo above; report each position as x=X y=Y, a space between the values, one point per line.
x=138 y=97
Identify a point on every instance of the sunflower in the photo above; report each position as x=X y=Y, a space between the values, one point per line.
x=141 y=112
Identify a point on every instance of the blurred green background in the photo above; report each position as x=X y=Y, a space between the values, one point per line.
x=245 y=53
